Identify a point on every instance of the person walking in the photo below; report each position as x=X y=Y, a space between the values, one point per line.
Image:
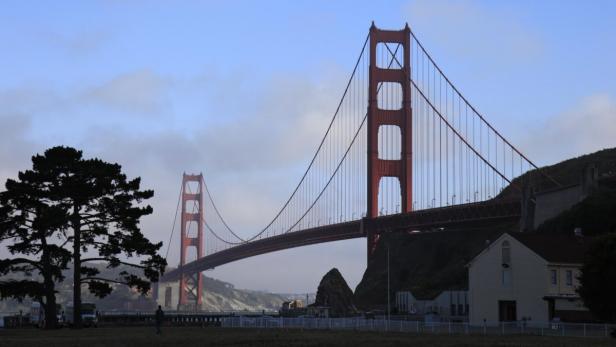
x=159 y=316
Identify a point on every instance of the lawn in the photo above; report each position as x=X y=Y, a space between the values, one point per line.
x=178 y=336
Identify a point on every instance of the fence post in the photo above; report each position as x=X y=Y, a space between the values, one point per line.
x=584 y=329
x=502 y=328
x=449 y=328
x=417 y=327
x=563 y=325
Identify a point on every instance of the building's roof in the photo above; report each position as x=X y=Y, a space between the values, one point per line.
x=555 y=248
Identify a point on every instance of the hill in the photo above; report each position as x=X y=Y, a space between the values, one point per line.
x=219 y=296
x=565 y=173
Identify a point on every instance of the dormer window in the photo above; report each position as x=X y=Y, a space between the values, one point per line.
x=506 y=253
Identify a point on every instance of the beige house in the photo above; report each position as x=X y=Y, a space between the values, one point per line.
x=527 y=277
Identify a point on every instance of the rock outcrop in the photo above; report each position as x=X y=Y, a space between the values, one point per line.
x=335 y=293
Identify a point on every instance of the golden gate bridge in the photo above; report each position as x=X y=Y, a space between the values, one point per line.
x=404 y=151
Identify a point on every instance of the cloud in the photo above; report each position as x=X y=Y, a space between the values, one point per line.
x=469 y=29
x=586 y=127
x=250 y=155
x=28 y=100
x=141 y=92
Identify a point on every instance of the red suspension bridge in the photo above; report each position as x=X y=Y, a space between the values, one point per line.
x=404 y=151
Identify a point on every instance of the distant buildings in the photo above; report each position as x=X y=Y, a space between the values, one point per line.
x=527 y=277
x=292 y=308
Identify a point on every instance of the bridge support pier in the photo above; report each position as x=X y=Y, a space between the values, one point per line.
x=402 y=118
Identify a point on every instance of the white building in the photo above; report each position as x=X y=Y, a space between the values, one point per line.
x=531 y=277
x=448 y=305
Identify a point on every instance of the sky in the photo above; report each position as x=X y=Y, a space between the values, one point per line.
x=243 y=91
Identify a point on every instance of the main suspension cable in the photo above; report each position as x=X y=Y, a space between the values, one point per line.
x=313 y=158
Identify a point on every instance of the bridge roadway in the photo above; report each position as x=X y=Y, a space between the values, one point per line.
x=472 y=214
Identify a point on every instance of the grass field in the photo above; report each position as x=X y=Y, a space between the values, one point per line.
x=142 y=337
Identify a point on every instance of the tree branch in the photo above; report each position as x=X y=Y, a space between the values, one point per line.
x=16 y=261
x=90 y=279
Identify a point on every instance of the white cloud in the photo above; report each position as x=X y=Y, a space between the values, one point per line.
x=142 y=92
x=586 y=127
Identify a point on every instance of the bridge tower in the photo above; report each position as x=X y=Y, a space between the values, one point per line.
x=402 y=118
x=192 y=217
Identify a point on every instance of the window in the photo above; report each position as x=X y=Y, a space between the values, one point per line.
x=553 y=278
x=460 y=310
x=569 y=277
x=453 y=309
x=168 y=297
x=506 y=252
x=506 y=278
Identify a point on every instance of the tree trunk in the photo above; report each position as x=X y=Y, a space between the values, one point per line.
x=76 y=269
x=51 y=316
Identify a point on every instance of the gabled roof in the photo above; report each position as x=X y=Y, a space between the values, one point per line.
x=552 y=248
x=555 y=248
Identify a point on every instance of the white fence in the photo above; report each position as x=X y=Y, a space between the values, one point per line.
x=509 y=328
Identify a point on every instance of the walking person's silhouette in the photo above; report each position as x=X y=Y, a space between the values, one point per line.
x=159 y=316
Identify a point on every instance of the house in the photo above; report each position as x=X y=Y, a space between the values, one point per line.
x=527 y=277
x=448 y=305
x=292 y=308
x=293 y=304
